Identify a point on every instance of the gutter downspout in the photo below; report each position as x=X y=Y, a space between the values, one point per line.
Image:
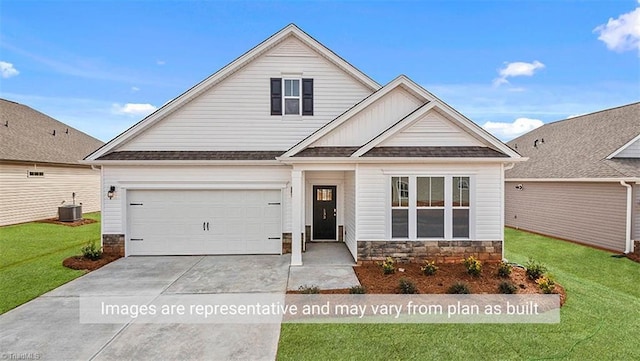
x=505 y=167
x=628 y=244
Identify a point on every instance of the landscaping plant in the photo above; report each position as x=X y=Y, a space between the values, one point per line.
x=429 y=268
x=407 y=287
x=357 y=290
x=474 y=266
x=388 y=266
x=546 y=284
x=535 y=270
x=308 y=290
x=504 y=269
x=91 y=251
x=459 y=288
x=507 y=287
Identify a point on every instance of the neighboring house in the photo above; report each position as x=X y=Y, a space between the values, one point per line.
x=291 y=143
x=40 y=165
x=582 y=179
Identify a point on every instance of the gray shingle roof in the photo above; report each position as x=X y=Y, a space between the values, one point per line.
x=327 y=152
x=435 y=152
x=27 y=135
x=578 y=147
x=192 y=155
x=411 y=152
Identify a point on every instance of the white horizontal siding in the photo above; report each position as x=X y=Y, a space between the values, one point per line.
x=372 y=120
x=373 y=197
x=631 y=151
x=25 y=199
x=174 y=177
x=432 y=130
x=235 y=114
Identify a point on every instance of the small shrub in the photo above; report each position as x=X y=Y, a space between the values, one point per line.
x=429 y=268
x=309 y=290
x=459 y=288
x=474 y=267
x=546 y=284
x=357 y=290
x=535 y=270
x=91 y=251
x=388 y=266
x=407 y=287
x=507 y=287
x=504 y=269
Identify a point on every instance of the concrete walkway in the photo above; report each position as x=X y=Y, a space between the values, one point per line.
x=48 y=327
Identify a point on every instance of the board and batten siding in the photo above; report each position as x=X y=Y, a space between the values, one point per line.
x=373 y=197
x=585 y=212
x=350 y=213
x=432 y=130
x=26 y=199
x=235 y=114
x=188 y=177
x=372 y=120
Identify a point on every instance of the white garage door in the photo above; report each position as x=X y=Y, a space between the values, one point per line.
x=190 y=222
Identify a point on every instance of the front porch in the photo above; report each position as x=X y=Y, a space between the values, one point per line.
x=328 y=265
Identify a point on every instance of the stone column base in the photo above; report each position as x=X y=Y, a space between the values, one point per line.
x=113 y=244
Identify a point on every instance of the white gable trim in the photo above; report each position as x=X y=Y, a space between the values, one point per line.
x=627 y=145
x=401 y=80
x=217 y=77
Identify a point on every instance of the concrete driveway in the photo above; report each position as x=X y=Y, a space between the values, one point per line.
x=48 y=327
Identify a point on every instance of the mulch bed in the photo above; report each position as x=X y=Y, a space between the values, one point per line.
x=82 y=263
x=371 y=277
x=634 y=257
x=80 y=222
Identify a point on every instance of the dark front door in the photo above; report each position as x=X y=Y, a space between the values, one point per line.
x=324 y=212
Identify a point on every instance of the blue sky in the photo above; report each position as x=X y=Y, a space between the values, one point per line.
x=101 y=66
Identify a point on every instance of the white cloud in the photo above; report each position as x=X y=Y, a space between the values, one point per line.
x=517 y=68
x=134 y=109
x=623 y=33
x=135 y=89
x=7 y=70
x=508 y=131
x=160 y=62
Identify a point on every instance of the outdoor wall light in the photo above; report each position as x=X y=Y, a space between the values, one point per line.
x=111 y=192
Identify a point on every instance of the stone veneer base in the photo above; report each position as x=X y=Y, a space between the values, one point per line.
x=438 y=251
x=113 y=244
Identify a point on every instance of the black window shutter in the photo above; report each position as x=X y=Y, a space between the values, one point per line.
x=276 y=96
x=307 y=96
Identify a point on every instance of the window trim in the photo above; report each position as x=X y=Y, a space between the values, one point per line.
x=448 y=206
x=285 y=97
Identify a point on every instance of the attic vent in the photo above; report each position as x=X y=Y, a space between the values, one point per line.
x=35 y=174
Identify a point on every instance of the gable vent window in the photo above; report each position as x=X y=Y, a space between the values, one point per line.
x=35 y=174
x=291 y=96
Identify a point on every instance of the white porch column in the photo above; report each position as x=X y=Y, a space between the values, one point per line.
x=296 y=217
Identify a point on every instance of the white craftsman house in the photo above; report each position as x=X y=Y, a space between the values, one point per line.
x=289 y=143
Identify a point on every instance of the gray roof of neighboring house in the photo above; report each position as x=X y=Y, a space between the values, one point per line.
x=578 y=147
x=192 y=155
x=27 y=135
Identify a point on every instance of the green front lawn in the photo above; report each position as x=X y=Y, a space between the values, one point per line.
x=600 y=320
x=31 y=257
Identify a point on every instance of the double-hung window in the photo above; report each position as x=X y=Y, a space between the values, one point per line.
x=430 y=207
x=400 y=207
x=291 y=96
